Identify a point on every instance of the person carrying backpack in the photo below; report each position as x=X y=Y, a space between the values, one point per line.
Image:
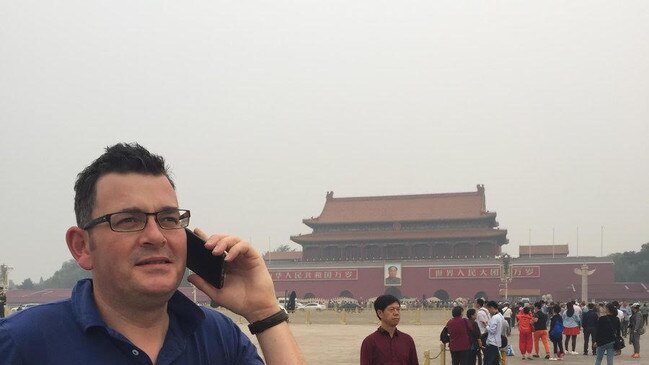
x=556 y=333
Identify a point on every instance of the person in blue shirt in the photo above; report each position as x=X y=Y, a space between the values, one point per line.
x=130 y=235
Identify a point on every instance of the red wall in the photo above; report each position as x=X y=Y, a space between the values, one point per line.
x=365 y=282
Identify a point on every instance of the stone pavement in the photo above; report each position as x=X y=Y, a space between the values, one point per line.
x=328 y=340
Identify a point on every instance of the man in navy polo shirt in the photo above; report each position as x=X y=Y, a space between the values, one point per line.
x=130 y=235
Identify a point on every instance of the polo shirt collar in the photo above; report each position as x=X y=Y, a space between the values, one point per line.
x=183 y=313
x=382 y=331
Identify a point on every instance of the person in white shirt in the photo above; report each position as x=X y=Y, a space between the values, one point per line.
x=482 y=315
x=494 y=333
x=507 y=314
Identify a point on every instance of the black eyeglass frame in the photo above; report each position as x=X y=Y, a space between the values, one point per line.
x=106 y=219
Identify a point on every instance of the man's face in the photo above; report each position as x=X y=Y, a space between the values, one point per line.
x=390 y=316
x=392 y=272
x=150 y=262
x=492 y=310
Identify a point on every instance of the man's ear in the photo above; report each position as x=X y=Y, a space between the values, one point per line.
x=78 y=244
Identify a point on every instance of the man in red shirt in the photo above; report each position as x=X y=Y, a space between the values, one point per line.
x=387 y=345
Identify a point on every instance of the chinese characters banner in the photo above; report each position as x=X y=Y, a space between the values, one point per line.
x=311 y=275
x=482 y=272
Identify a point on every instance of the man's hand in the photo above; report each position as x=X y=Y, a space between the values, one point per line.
x=248 y=289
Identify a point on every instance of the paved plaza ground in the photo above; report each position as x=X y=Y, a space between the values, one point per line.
x=327 y=340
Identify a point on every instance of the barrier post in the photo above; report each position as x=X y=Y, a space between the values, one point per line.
x=503 y=357
x=442 y=355
x=418 y=316
x=308 y=317
x=427 y=357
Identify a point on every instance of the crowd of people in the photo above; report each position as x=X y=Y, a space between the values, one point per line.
x=478 y=337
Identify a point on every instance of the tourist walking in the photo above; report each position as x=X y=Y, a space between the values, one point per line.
x=556 y=333
x=608 y=330
x=459 y=331
x=482 y=315
x=589 y=324
x=540 y=330
x=624 y=326
x=571 y=323
x=525 y=326
x=475 y=356
x=494 y=333
x=636 y=329
x=507 y=314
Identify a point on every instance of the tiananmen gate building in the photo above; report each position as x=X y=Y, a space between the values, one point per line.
x=445 y=245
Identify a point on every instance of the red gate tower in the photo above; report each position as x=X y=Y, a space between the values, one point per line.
x=403 y=227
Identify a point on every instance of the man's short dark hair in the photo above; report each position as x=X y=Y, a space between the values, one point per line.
x=392 y=266
x=612 y=308
x=121 y=158
x=383 y=302
x=457 y=311
x=470 y=312
x=492 y=304
x=480 y=301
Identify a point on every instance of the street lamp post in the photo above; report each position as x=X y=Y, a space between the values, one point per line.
x=505 y=273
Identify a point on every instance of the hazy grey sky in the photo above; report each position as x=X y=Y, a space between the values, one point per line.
x=262 y=107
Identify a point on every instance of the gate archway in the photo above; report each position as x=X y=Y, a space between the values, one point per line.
x=441 y=295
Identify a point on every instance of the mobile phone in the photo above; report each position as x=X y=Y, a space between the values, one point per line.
x=201 y=261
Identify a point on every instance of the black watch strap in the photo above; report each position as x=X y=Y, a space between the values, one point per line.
x=266 y=323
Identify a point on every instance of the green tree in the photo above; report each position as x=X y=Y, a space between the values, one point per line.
x=65 y=277
x=27 y=284
x=631 y=265
x=284 y=248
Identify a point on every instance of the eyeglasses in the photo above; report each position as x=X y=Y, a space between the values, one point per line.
x=136 y=221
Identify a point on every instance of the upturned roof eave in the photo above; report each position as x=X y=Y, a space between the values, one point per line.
x=311 y=222
x=308 y=238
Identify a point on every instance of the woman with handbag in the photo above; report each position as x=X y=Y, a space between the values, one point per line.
x=636 y=329
x=608 y=335
x=459 y=333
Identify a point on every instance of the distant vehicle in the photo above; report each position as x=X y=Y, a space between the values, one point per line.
x=349 y=307
x=23 y=307
x=314 y=306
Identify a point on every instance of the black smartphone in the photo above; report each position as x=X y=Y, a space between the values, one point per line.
x=201 y=261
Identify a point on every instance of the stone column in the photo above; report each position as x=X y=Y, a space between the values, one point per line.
x=584 y=271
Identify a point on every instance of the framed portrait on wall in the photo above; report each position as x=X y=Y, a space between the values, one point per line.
x=392 y=274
